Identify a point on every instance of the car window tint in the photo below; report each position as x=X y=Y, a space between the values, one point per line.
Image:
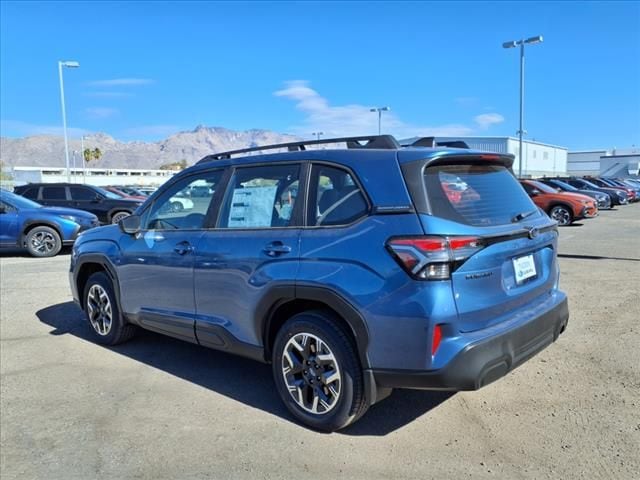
x=79 y=193
x=261 y=197
x=479 y=195
x=54 y=193
x=185 y=204
x=338 y=199
x=31 y=193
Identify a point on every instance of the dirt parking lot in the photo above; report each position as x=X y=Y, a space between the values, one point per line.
x=159 y=408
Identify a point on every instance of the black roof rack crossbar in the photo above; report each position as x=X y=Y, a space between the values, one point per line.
x=384 y=142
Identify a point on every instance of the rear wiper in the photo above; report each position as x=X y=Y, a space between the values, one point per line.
x=522 y=216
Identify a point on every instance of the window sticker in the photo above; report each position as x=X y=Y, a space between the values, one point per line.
x=252 y=207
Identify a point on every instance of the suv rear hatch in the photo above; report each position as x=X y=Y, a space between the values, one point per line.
x=500 y=249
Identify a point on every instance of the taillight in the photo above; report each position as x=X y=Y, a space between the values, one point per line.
x=433 y=258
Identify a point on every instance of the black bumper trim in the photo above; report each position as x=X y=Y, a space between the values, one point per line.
x=486 y=361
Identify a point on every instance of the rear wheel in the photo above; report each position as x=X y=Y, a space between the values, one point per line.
x=43 y=241
x=103 y=312
x=561 y=214
x=317 y=372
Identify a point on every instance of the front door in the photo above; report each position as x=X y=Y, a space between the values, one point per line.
x=156 y=273
x=254 y=248
x=8 y=225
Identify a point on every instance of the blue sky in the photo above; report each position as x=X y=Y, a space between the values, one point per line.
x=152 y=69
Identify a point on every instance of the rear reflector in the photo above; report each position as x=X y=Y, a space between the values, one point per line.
x=437 y=338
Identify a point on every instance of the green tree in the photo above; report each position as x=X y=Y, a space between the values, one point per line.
x=97 y=154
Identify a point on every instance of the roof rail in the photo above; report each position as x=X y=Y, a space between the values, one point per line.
x=384 y=142
x=431 y=142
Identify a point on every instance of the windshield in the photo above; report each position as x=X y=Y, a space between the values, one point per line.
x=543 y=187
x=17 y=201
x=108 y=194
x=479 y=195
x=564 y=186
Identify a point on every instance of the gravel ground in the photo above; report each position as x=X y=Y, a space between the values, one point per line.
x=159 y=408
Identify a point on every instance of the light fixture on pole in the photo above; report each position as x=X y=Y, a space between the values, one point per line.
x=513 y=44
x=380 y=110
x=67 y=64
x=317 y=135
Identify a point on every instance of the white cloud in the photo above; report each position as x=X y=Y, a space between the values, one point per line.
x=108 y=94
x=100 y=113
x=486 y=120
x=17 y=128
x=119 y=82
x=357 y=119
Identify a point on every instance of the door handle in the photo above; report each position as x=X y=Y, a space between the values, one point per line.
x=183 y=248
x=276 y=248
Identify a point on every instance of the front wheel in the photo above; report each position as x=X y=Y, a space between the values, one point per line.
x=561 y=214
x=317 y=372
x=103 y=313
x=116 y=217
x=43 y=241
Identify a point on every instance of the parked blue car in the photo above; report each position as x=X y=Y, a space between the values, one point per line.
x=352 y=271
x=43 y=231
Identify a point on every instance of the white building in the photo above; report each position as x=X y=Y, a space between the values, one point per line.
x=613 y=163
x=93 y=176
x=539 y=158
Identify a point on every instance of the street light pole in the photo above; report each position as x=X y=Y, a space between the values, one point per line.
x=67 y=64
x=380 y=110
x=513 y=44
x=317 y=135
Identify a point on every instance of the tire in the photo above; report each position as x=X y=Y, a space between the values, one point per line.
x=43 y=241
x=561 y=214
x=103 y=312
x=177 y=207
x=117 y=216
x=331 y=392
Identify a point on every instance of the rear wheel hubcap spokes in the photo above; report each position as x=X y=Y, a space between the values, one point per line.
x=311 y=373
x=99 y=310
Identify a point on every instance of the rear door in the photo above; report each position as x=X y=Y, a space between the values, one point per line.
x=8 y=224
x=54 y=196
x=254 y=247
x=517 y=261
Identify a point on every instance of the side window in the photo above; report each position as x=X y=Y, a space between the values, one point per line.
x=338 y=199
x=54 y=193
x=177 y=209
x=31 y=193
x=82 y=194
x=261 y=197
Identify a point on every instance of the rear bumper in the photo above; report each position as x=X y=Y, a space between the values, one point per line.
x=483 y=362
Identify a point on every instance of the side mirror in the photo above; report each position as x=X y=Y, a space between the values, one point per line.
x=535 y=192
x=130 y=224
x=97 y=199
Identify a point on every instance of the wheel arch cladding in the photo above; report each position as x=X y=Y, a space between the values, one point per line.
x=90 y=265
x=34 y=224
x=313 y=298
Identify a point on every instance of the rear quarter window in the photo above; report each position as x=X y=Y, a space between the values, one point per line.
x=475 y=194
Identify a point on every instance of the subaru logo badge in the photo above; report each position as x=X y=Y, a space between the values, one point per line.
x=533 y=233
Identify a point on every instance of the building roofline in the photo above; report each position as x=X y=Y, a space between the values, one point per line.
x=524 y=140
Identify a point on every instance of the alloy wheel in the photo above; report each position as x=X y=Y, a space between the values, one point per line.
x=119 y=216
x=43 y=242
x=561 y=215
x=311 y=373
x=99 y=310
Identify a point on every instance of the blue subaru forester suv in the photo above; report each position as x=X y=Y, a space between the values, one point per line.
x=352 y=270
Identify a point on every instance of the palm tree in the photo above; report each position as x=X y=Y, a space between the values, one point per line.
x=97 y=154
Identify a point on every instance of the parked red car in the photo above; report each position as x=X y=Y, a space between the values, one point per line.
x=124 y=195
x=563 y=207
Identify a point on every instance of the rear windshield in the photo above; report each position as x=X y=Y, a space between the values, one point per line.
x=479 y=195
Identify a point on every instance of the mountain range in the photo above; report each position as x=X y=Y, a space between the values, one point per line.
x=48 y=150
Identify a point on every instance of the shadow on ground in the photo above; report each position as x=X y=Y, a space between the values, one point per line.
x=238 y=378
x=596 y=257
